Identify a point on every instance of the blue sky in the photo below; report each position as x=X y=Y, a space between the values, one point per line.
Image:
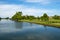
x=29 y=7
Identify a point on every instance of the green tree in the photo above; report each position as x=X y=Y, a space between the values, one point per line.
x=28 y=17
x=17 y=16
x=31 y=17
x=23 y=17
x=38 y=18
x=45 y=17
x=7 y=18
x=56 y=17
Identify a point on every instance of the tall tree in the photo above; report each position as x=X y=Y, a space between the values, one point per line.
x=17 y=16
x=45 y=17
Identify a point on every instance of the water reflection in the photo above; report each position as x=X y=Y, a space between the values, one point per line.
x=18 y=25
x=11 y=30
x=0 y=19
x=31 y=24
x=45 y=27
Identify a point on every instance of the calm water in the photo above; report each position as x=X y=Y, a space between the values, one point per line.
x=11 y=30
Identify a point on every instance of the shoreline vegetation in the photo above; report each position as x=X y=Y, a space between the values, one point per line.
x=42 y=23
x=42 y=20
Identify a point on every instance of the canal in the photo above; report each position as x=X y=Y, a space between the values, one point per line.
x=12 y=30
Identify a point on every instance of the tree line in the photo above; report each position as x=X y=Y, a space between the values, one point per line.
x=45 y=17
x=4 y=18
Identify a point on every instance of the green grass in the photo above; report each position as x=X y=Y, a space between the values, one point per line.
x=54 y=23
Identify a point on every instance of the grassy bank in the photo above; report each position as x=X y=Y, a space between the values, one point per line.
x=47 y=23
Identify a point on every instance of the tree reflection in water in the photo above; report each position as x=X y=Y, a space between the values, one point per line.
x=18 y=25
x=45 y=27
x=0 y=19
x=31 y=24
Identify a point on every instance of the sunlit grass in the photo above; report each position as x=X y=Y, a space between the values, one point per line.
x=51 y=22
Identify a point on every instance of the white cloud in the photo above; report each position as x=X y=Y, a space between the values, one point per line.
x=39 y=1
x=10 y=10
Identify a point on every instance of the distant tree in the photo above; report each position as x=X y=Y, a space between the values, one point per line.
x=0 y=18
x=31 y=17
x=28 y=17
x=56 y=17
x=7 y=18
x=17 y=16
x=45 y=17
x=23 y=17
x=38 y=17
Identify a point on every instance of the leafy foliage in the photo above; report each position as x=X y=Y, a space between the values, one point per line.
x=56 y=17
x=45 y=17
x=17 y=16
x=28 y=17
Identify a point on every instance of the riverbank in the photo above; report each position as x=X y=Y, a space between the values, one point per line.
x=42 y=23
